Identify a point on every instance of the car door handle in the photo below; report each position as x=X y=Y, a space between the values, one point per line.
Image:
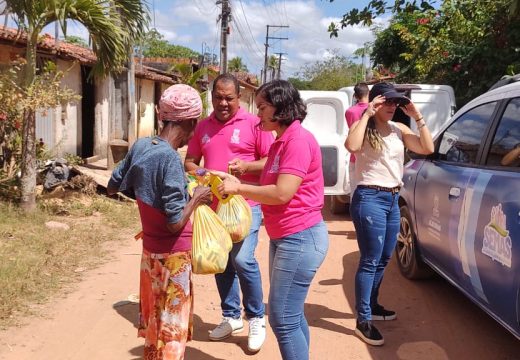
x=454 y=192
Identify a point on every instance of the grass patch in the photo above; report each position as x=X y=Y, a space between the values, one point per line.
x=36 y=262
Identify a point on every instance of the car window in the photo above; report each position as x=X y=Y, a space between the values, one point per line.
x=461 y=141
x=505 y=149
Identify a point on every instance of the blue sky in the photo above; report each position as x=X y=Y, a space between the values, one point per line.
x=193 y=23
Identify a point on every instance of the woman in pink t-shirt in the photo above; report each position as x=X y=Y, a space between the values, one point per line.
x=291 y=194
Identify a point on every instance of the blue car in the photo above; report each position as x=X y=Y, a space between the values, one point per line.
x=460 y=206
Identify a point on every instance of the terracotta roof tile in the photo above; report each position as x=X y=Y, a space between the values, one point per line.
x=76 y=52
x=48 y=43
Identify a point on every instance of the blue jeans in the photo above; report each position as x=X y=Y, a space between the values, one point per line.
x=376 y=218
x=243 y=268
x=293 y=262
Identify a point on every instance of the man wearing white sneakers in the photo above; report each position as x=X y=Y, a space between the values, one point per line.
x=230 y=138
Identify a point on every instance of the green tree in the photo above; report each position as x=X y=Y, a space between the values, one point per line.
x=333 y=73
x=466 y=44
x=237 y=65
x=375 y=8
x=196 y=79
x=113 y=25
x=299 y=83
x=154 y=45
x=76 y=40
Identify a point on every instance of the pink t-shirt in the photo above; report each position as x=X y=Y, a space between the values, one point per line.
x=296 y=152
x=240 y=137
x=352 y=115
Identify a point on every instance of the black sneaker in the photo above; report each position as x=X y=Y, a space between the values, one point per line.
x=368 y=333
x=380 y=313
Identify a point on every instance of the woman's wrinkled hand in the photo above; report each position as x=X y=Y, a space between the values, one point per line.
x=202 y=195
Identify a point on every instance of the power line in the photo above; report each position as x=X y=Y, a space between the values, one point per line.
x=267 y=38
x=249 y=27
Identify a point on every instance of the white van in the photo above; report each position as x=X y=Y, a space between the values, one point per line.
x=436 y=102
x=326 y=120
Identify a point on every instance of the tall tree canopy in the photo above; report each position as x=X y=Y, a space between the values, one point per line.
x=466 y=44
x=236 y=64
x=154 y=45
x=333 y=73
x=375 y=8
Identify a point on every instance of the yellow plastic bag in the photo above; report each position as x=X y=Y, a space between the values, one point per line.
x=211 y=242
x=236 y=216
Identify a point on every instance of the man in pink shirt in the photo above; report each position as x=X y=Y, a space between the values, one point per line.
x=352 y=115
x=230 y=138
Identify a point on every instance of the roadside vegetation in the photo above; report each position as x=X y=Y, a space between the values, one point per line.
x=38 y=263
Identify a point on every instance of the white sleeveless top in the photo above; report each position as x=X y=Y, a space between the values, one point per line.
x=383 y=168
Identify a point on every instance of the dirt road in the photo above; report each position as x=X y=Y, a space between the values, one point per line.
x=434 y=320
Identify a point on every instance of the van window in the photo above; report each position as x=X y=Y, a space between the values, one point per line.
x=323 y=117
x=461 y=141
x=505 y=149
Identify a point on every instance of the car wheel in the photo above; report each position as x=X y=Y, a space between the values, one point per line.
x=338 y=204
x=408 y=259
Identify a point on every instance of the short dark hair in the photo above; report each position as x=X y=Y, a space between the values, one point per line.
x=286 y=100
x=229 y=78
x=361 y=90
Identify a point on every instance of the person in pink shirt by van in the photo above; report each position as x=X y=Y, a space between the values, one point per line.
x=352 y=115
x=231 y=138
x=291 y=192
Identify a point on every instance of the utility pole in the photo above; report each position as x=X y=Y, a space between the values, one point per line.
x=267 y=38
x=224 y=18
x=279 y=64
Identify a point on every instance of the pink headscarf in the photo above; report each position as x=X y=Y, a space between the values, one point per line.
x=180 y=102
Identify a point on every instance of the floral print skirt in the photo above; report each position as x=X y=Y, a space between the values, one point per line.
x=166 y=304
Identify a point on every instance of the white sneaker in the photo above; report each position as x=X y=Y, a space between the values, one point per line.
x=256 y=334
x=227 y=327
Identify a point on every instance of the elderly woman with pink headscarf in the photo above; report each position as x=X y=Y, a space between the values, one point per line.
x=154 y=171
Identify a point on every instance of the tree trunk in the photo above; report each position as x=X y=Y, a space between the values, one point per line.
x=28 y=180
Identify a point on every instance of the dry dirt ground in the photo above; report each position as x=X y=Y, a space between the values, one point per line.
x=435 y=321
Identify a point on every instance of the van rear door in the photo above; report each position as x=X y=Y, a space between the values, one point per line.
x=436 y=104
x=326 y=121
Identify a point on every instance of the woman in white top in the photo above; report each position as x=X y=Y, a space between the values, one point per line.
x=378 y=144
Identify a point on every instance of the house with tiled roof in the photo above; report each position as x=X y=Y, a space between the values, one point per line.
x=113 y=111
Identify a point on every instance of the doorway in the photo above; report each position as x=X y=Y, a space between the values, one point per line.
x=88 y=104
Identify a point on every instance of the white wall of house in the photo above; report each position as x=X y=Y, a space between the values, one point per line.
x=104 y=95
x=145 y=107
x=67 y=124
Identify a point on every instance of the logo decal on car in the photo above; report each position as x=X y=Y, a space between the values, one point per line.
x=497 y=243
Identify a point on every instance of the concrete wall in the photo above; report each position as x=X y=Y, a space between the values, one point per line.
x=9 y=53
x=103 y=112
x=145 y=107
x=68 y=117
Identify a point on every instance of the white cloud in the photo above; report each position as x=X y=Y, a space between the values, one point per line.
x=194 y=24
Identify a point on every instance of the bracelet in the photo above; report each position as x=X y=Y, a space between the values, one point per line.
x=421 y=126
x=421 y=118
